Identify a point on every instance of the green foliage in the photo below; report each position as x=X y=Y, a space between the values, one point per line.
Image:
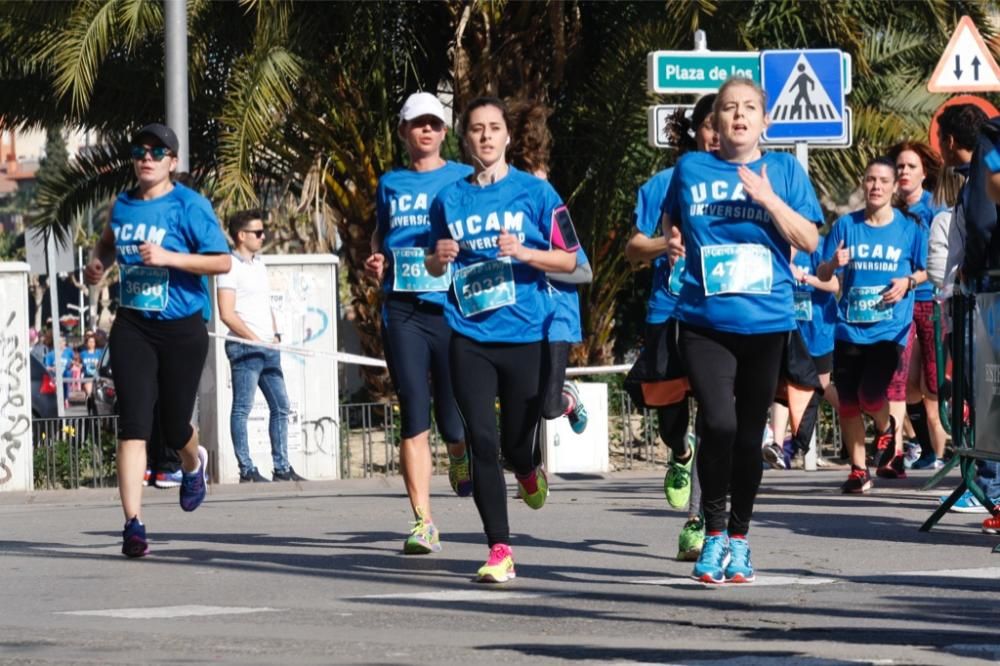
x=68 y=459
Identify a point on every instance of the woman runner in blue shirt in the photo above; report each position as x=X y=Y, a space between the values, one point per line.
x=878 y=257
x=164 y=237
x=740 y=212
x=494 y=230
x=414 y=333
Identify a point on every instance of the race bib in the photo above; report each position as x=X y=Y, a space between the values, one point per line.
x=676 y=275
x=144 y=287
x=865 y=305
x=736 y=269
x=410 y=274
x=485 y=286
x=803 y=306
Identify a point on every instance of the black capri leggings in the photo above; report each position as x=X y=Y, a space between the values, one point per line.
x=481 y=372
x=555 y=403
x=416 y=338
x=157 y=361
x=733 y=377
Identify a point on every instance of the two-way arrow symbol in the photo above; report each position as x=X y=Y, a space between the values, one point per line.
x=975 y=67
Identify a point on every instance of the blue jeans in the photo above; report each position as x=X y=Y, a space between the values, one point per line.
x=252 y=367
x=988 y=477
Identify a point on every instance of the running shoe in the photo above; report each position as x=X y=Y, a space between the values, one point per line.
x=885 y=445
x=711 y=564
x=134 y=542
x=677 y=481
x=458 y=474
x=168 y=479
x=911 y=453
x=739 y=569
x=896 y=469
x=193 y=484
x=424 y=537
x=967 y=503
x=147 y=477
x=499 y=568
x=992 y=525
x=928 y=462
x=773 y=455
x=691 y=539
x=534 y=488
x=578 y=412
x=287 y=475
x=858 y=482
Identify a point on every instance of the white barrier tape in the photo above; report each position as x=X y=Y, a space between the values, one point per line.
x=356 y=359
x=342 y=357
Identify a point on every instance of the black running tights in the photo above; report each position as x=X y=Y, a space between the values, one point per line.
x=481 y=372
x=733 y=377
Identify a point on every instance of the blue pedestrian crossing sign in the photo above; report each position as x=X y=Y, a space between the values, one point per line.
x=805 y=94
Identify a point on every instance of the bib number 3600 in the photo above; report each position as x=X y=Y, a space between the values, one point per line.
x=485 y=286
x=145 y=287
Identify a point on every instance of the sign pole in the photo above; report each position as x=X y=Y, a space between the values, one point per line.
x=50 y=252
x=802 y=154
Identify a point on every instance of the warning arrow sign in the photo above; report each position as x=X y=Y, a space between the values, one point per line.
x=967 y=64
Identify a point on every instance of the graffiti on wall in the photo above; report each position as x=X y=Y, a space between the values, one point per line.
x=15 y=407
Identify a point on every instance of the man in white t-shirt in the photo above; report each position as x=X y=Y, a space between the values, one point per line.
x=244 y=297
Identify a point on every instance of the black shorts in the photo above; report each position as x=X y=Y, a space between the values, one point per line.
x=157 y=361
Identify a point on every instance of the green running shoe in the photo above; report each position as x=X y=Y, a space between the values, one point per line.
x=691 y=539
x=458 y=474
x=534 y=489
x=677 y=481
x=424 y=537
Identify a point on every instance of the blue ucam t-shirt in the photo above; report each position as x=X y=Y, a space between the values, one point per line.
x=925 y=209
x=815 y=309
x=878 y=254
x=736 y=277
x=90 y=360
x=402 y=202
x=180 y=221
x=563 y=324
x=648 y=209
x=497 y=299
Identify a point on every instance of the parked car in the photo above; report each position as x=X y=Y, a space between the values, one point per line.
x=44 y=404
x=103 y=399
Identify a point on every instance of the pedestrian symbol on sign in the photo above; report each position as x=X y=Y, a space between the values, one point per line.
x=802 y=100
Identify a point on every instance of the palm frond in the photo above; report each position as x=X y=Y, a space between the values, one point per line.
x=83 y=44
x=94 y=177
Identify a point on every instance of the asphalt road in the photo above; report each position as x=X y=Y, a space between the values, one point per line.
x=313 y=573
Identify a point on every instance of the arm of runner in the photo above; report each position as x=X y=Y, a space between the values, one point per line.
x=550 y=261
x=227 y=312
x=445 y=251
x=101 y=257
x=641 y=249
x=795 y=228
x=197 y=264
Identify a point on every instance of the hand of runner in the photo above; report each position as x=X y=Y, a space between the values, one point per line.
x=799 y=274
x=446 y=250
x=375 y=265
x=675 y=245
x=154 y=255
x=509 y=245
x=758 y=188
x=94 y=271
x=896 y=291
x=842 y=256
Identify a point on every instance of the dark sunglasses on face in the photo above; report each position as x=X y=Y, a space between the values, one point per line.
x=157 y=153
x=259 y=233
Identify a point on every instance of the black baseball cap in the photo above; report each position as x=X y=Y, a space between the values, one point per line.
x=161 y=133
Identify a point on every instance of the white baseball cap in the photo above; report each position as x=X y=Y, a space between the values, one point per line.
x=421 y=104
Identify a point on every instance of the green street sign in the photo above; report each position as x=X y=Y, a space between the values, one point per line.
x=699 y=72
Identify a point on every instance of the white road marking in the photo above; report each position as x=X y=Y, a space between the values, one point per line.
x=455 y=595
x=160 y=612
x=761 y=581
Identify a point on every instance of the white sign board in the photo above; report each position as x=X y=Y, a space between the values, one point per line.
x=658 y=117
x=966 y=64
x=16 y=456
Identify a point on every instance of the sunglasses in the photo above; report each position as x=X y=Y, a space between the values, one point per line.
x=259 y=233
x=157 y=153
